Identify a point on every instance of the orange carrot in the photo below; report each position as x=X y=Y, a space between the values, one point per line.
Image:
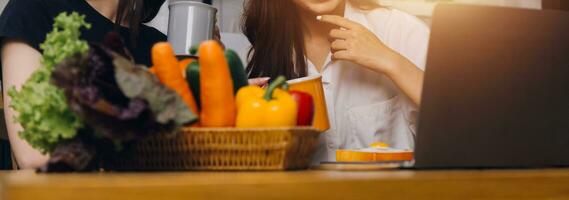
x=216 y=87
x=168 y=72
x=152 y=70
x=183 y=64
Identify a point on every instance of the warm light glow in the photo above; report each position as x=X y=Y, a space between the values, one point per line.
x=424 y=8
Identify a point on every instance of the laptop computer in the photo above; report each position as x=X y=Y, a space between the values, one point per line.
x=496 y=91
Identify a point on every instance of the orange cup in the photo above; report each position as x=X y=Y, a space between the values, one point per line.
x=313 y=86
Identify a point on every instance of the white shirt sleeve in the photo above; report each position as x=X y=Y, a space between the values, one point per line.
x=402 y=32
x=409 y=36
x=414 y=46
x=416 y=43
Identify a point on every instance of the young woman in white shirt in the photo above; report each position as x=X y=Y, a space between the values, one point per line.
x=371 y=60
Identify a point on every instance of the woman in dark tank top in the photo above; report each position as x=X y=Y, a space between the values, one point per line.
x=25 y=23
x=30 y=20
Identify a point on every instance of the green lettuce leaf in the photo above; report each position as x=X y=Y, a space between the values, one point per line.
x=42 y=108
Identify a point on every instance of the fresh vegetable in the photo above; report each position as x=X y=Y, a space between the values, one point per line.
x=167 y=107
x=183 y=65
x=216 y=87
x=272 y=107
x=194 y=49
x=168 y=72
x=305 y=108
x=237 y=70
x=152 y=70
x=71 y=155
x=42 y=108
x=193 y=78
x=117 y=99
x=114 y=42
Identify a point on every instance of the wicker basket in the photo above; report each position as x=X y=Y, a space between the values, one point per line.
x=224 y=149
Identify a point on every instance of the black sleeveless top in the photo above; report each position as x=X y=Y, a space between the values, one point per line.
x=30 y=21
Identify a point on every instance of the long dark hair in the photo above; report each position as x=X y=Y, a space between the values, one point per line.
x=273 y=28
x=276 y=34
x=135 y=12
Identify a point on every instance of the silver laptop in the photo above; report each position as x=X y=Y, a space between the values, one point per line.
x=496 y=90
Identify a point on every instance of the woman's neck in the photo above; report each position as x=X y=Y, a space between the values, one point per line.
x=316 y=37
x=315 y=28
x=107 y=8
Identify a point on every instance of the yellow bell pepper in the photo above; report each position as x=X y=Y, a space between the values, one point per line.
x=259 y=108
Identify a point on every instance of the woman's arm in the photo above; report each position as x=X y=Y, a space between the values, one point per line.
x=19 y=61
x=408 y=77
x=357 y=44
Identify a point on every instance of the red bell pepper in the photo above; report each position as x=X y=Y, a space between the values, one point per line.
x=305 y=108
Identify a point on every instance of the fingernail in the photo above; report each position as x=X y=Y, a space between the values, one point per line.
x=318 y=17
x=265 y=78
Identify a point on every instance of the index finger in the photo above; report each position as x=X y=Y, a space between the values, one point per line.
x=259 y=81
x=338 y=21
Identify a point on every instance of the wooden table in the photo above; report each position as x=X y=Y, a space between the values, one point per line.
x=326 y=185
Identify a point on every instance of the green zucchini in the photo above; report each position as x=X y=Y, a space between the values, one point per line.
x=237 y=70
x=235 y=67
x=193 y=78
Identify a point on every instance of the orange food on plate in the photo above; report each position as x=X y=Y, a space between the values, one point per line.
x=377 y=156
x=379 y=145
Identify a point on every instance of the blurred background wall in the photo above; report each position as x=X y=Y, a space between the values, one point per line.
x=230 y=10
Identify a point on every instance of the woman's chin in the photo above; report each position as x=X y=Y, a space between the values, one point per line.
x=320 y=7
